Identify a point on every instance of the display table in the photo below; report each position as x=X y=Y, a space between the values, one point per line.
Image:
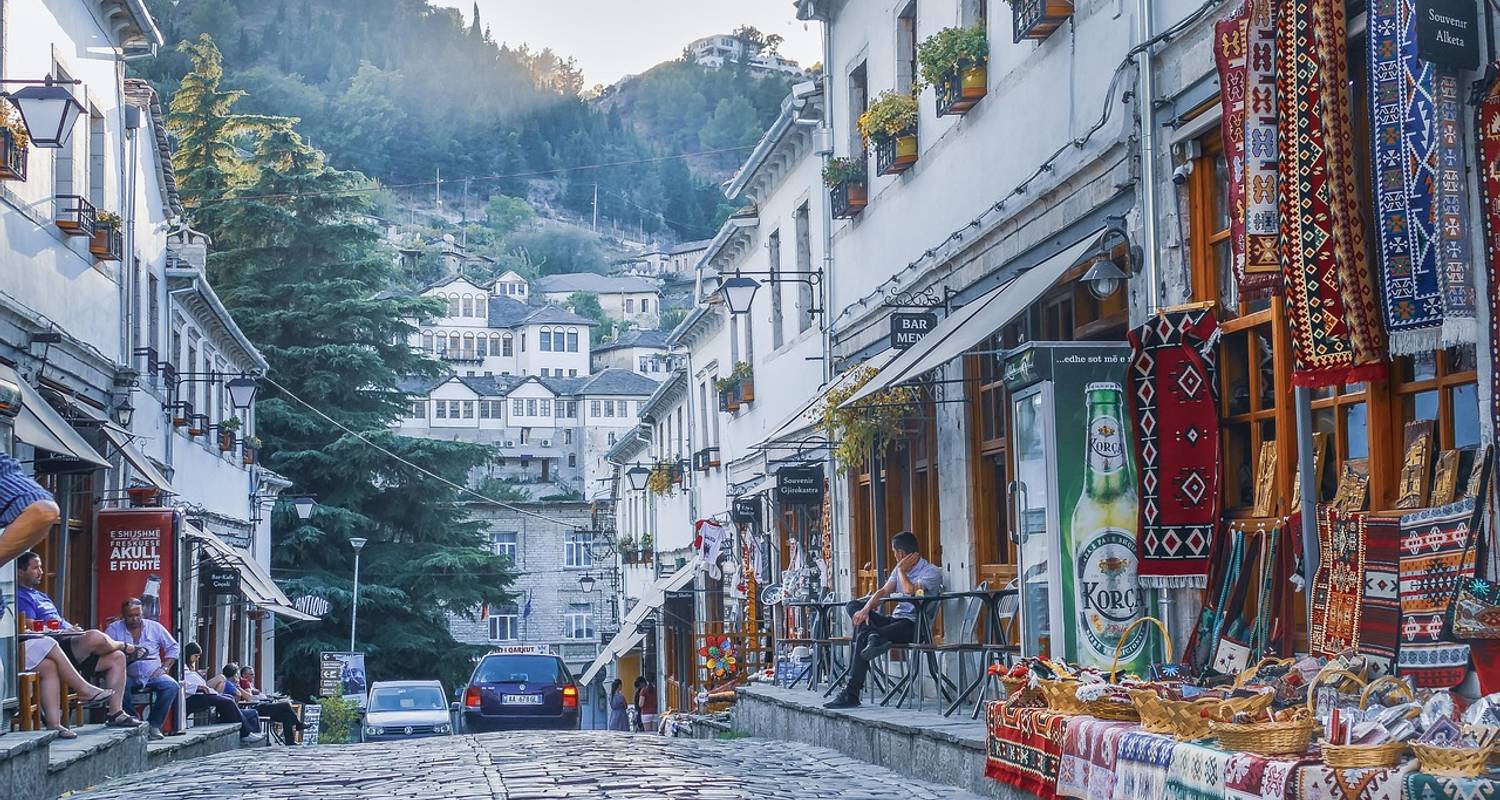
x=1024 y=747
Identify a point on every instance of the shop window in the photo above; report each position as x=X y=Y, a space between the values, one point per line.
x=1440 y=387
x=994 y=554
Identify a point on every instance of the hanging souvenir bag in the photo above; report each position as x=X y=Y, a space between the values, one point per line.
x=1474 y=612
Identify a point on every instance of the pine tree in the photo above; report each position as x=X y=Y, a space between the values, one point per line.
x=303 y=274
x=475 y=29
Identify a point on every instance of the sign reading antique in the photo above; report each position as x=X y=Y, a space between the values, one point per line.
x=746 y=510
x=223 y=580
x=135 y=560
x=1448 y=32
x=800 y=486
x=907 y=329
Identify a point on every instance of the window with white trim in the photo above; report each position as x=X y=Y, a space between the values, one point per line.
x=505 y=623
x=518 y=407
x=578 y=623
x=506 y=544
x=576 y=550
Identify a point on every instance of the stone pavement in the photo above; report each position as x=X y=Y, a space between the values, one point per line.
x=589 y=765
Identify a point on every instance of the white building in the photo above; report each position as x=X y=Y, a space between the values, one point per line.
x=487 y=331
x=642 y=351
x=716 y=51
x=636 y=301
x=674 y=261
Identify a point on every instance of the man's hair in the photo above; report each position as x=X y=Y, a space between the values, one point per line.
x=639 y=681
x=23 y=561
x=905 y=541
x=130 y=602
x=231 y=670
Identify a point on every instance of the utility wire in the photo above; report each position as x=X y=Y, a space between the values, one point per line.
x=377 y=187
x=429 y=473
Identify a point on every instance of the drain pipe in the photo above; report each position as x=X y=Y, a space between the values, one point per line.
x=1145 y=101
x=835 y=510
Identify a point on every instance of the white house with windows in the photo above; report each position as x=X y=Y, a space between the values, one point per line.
x=484 y=332
x=626 y=298
x=637 y=350
x=716 y=51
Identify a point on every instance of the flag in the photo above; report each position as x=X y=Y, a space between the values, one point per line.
x=526 y=612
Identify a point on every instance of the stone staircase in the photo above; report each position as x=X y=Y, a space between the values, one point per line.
x=39 y=766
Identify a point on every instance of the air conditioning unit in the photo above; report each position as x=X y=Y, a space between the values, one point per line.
x=546 y=443
x=510 y=444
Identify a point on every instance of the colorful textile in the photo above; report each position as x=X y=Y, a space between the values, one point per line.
x=1087 y=769
x=1177 y=444
x=1317 y=781
x=1434 y=555
x=1380 y=607
x=1338 y=587
x=1245 y=53
x=1231 y=56
x=1141 y=765
x=1422 y=786
x=1488 y=126
x=1336 y=334
x=1248 y=776
x=1196 y=773
x=1024 y=747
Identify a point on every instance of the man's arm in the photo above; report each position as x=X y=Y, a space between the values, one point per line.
x=899 y=574
x=28 y=528
x=169 y=649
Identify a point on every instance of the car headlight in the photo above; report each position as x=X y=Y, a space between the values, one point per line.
x=442 y=728
x=373 y=731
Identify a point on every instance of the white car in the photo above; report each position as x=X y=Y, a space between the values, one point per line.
x=399 y=710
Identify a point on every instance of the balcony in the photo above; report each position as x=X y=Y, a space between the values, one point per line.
x=1037 y=19
x=76 y=216
x=961 y=89
x=706 y=459
x=12 y=156
x=108 y=242
x=849 y=198
x=460 y=356
x=895 y=154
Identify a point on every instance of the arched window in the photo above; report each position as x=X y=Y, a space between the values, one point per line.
x=468 y=305
x=427 y=342
x=508 y=346
x=494 y=344
x=546 y=340
x=452 y=344
x=572 y=340
x=453 y=305
x=482 y=346
x=468 y=350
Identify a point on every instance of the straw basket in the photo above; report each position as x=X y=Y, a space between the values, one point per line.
x=1357 y=756
x=1453 y=762
x=1291 y=737
x=1062 y=695
x=1188 y=719
x=1249 y=672
x=1014 y=685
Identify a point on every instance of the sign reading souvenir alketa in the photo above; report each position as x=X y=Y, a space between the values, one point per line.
x=800 y=486
x=908 y=329
x=1448 y=32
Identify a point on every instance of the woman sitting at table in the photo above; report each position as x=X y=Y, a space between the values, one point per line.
x=42 y=655
x=279 y=711
x=201 y=697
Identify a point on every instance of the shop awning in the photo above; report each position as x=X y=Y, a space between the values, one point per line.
x=255 y=582
x=137 y=460
x=971 y=324
x=806 y=415
x=629 y=636
x=623 y=642
x=40 y=426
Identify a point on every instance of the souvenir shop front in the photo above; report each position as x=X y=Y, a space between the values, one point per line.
x=1310 y=473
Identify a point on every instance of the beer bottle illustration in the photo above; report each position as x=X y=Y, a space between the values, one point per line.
x=1103 y=535
x=151 y=598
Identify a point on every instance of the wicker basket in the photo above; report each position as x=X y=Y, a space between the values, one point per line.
x=1180 y=718
x=1453 y=762
x=1365 y=756
x=1249 y=672
x=1014 y=685
x=1266 y=738
x=1062 y=695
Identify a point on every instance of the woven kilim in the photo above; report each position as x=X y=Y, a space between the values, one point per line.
x=1196 y=773
x=1488 y=126
x=1318 y=781
x=1455 y=267
x=1024 y=747
x=1174 y=401
x=1248 y=776
x=1336 y=334
x=1422 y=786
x=1141 y=765
x=1245 y=54
x=1380 y=607
x=1087 y=769
x=1338 y=587
x=1434 y=555
x=1231 y=56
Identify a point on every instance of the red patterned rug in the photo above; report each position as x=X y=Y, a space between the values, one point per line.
x=1434 y=555
x=1380 y=609
x=1025 y=748
x=1245 y=53
x=1489 y=185
x=1338 y=588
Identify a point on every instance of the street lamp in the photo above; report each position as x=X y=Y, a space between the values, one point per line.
x=1104 y=278
x=586 y=583
x=47 y=110
x=359 y=544
x=304 y=505
x=638 y=475
x=124 y=413
x=241 y=391
x=738 y=292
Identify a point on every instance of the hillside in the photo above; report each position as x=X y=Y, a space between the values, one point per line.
x=401 y=91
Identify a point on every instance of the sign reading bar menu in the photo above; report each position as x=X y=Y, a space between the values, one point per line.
x=908 y=329
x=1448 y=32
x=799 y=486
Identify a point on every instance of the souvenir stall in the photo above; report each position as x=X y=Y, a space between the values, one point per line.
x=1345 y=642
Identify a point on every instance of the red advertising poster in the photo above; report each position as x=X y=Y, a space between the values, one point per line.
x=135 y=559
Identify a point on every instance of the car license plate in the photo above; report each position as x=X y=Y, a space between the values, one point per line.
x=522 y=699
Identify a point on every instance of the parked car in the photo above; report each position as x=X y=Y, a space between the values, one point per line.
x=520 y=687
x=406 y=710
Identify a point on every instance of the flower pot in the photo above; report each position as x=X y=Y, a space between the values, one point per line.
x=107 y=243
x=961 y=89
x=976 y=82
x=906 y=149
x=732 y=399
x=848 y=199
x=143 y=495
x=1037 y=19
x=248 y=455
x=895 y=155
x=12 y=157
x=747 y=392
x=226 y=441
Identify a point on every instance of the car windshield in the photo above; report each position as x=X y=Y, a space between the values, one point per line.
x=519 y=669
x=408 y=698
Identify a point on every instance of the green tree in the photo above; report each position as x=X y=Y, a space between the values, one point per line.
x=303 y=275
x=586 y=304
x=555 y=249
x=504 y=215
x=671 y=318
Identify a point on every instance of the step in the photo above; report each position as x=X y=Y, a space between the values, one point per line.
x=98 y=754
x=23 y=763
x=197 y=742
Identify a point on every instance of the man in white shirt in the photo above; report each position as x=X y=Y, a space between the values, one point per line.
x=154 y=670
x=876 y=633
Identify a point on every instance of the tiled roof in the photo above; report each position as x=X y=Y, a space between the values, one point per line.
x=508 y=313
x=557 y=314
x=420 y=384
x=689 y=247
x=591 y=282
x=635 y=338
x=619 y=382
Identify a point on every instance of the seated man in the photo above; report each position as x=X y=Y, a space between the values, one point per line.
x=874 y=632
x=97 y=657
x=279 y=711
x=153 y=671
x=201 y=697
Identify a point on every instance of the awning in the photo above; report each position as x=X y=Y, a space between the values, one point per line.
x=976 y=321
x=255 y=582
x=137 y=460
x=40 y=426
x=629 y=636
x=807 y=415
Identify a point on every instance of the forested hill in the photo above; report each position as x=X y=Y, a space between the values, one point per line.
x=399 y=89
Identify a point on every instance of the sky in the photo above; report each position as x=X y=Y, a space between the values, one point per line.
x=615 y=38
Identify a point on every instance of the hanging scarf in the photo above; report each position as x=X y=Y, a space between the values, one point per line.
x=1488 y=126
x=1231 y=56
x=1336 y=333
x=1245 y=53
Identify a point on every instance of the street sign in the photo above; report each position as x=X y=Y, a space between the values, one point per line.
x=907 y=329
x=312 y=717
x=800 y=486
x=223 y=581
x=1448 y=33
x=746 y=510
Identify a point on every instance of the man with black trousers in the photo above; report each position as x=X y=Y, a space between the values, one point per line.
x=875 y=633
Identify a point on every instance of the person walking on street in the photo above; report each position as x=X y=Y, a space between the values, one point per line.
x=618 y=720
x=645 y=700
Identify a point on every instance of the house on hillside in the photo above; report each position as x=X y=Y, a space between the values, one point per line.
x=639 y=350
x=716 y=51
x=485 y=331
x=633 y=300
x=672 y=262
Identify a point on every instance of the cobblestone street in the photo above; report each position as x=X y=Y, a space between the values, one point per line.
x=522 y=766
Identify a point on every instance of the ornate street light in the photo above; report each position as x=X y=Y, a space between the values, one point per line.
x=241 y=391
x=638 y=475
x=738 y=293
x=47 y=110
x=586 y=583
x=304 y=505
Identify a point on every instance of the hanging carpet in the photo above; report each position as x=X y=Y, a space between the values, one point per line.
x=1488 y=126
x=1380 y=603
x=1336 y=332
x=1245 y=53
x=1434 y=555
x=1174 y=401
x=1338 y=586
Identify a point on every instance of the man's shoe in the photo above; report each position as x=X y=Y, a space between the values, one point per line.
x=875 y=649
x=254 y=738
x=155 y=734
x=842 y=701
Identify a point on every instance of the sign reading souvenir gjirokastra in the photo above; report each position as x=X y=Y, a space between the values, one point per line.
x=746 y=510
x=1448 y=32
x=908 y=329
x=800 y=486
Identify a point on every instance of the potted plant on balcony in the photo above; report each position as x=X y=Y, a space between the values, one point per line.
x=661 y=480
x=744 y=377
x=251 y=451
x=846 y=179
x=227 y=430
x=627 y=548
x=729 y=394
x=648 y=550
x=890 y=124
x=182 y=414
x=955 y=62
x=1037 y=19
x=14 y=143
x=870 y=425
x=107 y=241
